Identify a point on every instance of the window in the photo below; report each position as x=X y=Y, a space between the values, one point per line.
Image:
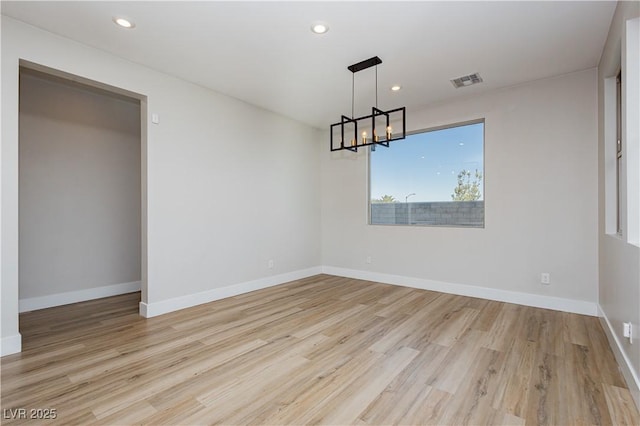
x=432 y=178
x=619 y=152
x=621 y=105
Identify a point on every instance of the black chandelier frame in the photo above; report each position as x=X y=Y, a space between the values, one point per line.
x=356 y=142
x=383 y=138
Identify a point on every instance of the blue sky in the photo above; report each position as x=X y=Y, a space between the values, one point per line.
x=427 y=163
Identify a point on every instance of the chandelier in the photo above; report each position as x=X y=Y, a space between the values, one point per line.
x=378 y=128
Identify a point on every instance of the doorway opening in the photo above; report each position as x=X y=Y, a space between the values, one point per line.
x=82 y=191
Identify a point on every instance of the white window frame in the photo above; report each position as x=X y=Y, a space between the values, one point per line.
x=622 y=178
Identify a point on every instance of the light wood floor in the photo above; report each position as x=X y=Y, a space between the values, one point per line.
x=323 y=350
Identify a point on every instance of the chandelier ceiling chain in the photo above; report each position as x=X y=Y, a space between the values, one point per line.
x=353 y=91
x=376 y=86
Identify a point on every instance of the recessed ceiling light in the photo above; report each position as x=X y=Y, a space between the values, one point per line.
x=124 y=23
x=396 y=87
x=319 y=28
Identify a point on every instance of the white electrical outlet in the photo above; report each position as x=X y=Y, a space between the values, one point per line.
x=270 y=264
x=627 y=331
x=545 y=278
x=368 y=259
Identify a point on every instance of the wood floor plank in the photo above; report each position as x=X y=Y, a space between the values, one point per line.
x=432 y=313
x=123 y=400
x=621 y=406
x=453 y=326
x=454 y=369
x=321 y=398
x=511 y=396
x=602 y=355
x=233 y=399
x=394 y=294
x=175 y=413
x=548 y=401
x=135 y=413
x=504 y=328
x=473 y=404
x=551 y=332
x=587 y=402
x=575 y=329
x=320 y=350
x=511 y=420
x=359 y=394
x=399 y=303
x=351 y=342
x=43 y=374
x=225 y=372
x=287 y=393
x=487 y=315
x=408 y=398
x=328 y=322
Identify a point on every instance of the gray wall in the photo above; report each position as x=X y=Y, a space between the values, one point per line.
x=540 y=200
x=79 y=187
x=207 y=149
x=619 y=257
x=441 y=213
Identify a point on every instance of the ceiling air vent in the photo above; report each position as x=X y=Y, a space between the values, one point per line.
x=466 y=80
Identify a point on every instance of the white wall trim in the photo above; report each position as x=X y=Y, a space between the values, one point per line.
x=35 y=303
x=526 y=299
x=630 y=375
x=149 y=310
x=11 y=345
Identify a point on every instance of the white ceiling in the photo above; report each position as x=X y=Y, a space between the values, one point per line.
x=264 y=52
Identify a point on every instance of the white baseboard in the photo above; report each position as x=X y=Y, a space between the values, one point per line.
x=526 y=299
x=35 y=303
x=630 y=375
x=11 y=345
x=153 y=309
